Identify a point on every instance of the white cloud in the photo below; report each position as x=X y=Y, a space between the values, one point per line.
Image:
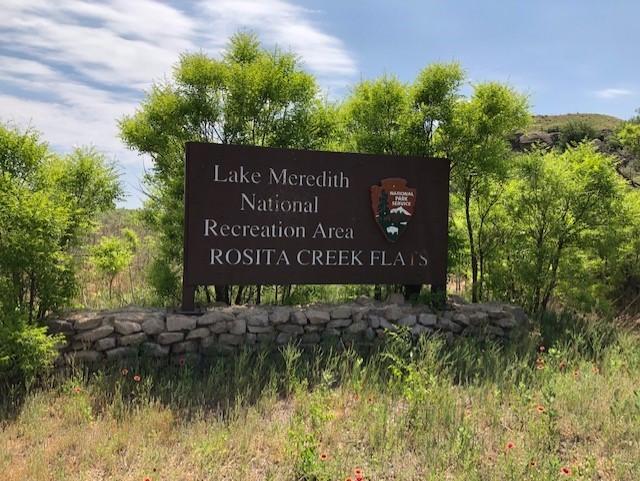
x=72 y=68
x=612 y=93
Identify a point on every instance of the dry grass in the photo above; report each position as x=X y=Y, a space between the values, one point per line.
x=554 y=122
x=404 y=412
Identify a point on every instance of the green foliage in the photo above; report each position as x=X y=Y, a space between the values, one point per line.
x=576 y=131
x=629 y=136
x=249 y=96
x=25 y=350
x=114 y=254
x=559 y=203
x=47 y=206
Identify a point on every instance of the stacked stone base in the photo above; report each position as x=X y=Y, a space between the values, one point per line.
x=92 y=336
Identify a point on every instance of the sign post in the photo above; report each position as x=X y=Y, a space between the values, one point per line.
x=256 y=215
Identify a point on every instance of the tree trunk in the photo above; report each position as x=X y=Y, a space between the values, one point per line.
x=377 y=292
x=412 y=291
x=222 y=293
x=472 y=247
x=239 y=295
x=258 y=294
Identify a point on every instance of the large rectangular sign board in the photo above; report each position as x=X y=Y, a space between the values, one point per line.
x=256 y=215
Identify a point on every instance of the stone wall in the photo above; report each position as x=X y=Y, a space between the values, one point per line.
x=93 y=336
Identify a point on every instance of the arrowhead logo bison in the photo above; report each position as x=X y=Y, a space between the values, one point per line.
x=393 y=205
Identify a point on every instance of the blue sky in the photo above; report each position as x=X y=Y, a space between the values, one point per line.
x=71 y=68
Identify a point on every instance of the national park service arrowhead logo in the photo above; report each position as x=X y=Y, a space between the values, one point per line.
x=393 y=205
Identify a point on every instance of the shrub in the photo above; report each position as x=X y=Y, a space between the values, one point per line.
x=25 y=350
x=574 y=132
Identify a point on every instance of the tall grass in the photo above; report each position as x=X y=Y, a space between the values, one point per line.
x=467 y=410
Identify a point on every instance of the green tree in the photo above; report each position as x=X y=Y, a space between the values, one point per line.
x=113 y=254
x=248 y=96
x=475 y=141
x=560 y=204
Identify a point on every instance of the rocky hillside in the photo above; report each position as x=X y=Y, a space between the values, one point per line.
x=558 y=131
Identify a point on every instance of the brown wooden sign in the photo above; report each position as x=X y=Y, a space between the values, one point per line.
x=256 y=215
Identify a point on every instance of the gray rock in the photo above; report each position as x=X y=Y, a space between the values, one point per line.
x=478 y=318
x=395 y=298
x=121 y=352
x=407 y=321
x=356 y=327
x=220 y=327
x=330 y=333
x=427 y=319
x=314 y=327
x=290 y=328
x=185 y=346
x=260 y=329
x=237 y=326
x=214 y=317
x=419 y=330
x=133 y=339
x=251 y=338
x=280 y=315
x=284 y=337
x=393 y=313
x=170 y=337
x=374 y=321
x=363 y=300
x=448 y=325
x=337 y=323
x=154 y=350
x=198 y=333
x=341 y=312
x=180 y=322
x=105 y=343
x=506 y=322
x=461 y=318
x=311 y=338
x=94 y=334
x=299 y=317
x=84 y=321
x=318 y=317
x=153 y=326
x=369 y=334
x=126 y=327
x=258 y=318
x=56 y=326
x=207 y=343
x=84 y=356
x=359 y=313
x=384 y=324
x=231 y=339
x=494 y=330
x=266 y=338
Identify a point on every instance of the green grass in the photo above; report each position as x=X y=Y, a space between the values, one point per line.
x=554 y=122
x=467 y=411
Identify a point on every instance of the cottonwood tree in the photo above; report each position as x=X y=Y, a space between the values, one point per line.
x=386 y=116
x=475 y=140
x=559 y=204
x=48 y=203
x=249 y=96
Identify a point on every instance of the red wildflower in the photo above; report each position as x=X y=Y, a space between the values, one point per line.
x=147 y=479
x=124 y=371
x=359 y=474
x=323 y=456
x=540 y=408
x=181 y=361
x=509 y=446
x=566 y=471
x=77 y=390
x=137 y=378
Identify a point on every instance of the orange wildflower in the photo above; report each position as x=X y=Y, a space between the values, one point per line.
x=137 y=378
x=540 y=408
x=77 y=390
x=359 y=474
x=509 y=446
x=566 y=471
x=324 y=457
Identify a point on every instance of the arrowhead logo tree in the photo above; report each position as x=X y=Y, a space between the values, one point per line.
x=393 y=205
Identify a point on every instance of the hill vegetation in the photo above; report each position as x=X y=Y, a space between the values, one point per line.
x=555 y=123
